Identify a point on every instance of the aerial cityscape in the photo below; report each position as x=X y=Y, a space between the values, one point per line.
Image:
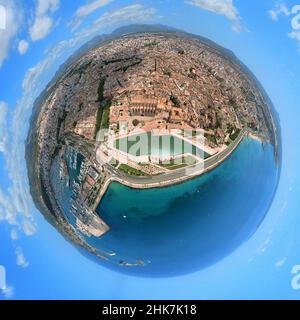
x=146 y=110
x=148 y=150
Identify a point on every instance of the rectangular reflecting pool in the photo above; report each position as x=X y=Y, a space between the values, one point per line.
x=157 y=145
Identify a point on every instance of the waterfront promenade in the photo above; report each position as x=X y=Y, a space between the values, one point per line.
x=169 y=178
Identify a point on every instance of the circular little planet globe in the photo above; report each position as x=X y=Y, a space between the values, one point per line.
x=154 y=151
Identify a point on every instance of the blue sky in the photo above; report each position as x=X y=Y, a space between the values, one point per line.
x=36 y=36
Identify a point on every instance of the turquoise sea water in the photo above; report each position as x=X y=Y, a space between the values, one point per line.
x=189 y=226
x=185 y=227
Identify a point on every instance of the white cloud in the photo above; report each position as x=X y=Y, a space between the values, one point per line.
x=221 y=7
x=11 y=22
x=41 y=28
x=21 y=260
x=87 y=9
x=14 y=234
x=7 y=208
x=296 y=36
x=280 y=9
x=15 y=203
x=43 y=22
x=23 y=47
x=28 y=227
x=3 y=127
x=2 y=17
x=45 y=6
x=280 y=263
x=135 y=13
x=91 y=7
x=265 y=245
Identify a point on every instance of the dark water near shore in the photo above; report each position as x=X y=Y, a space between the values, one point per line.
x=186 y=227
